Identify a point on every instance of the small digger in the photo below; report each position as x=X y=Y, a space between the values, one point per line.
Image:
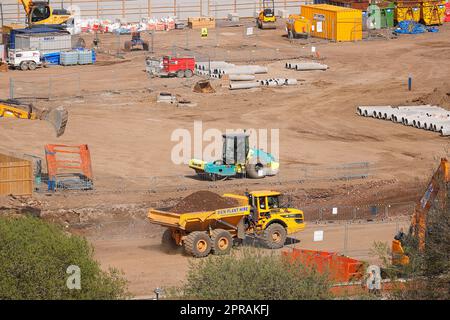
x=258 y=215
x=16 y=109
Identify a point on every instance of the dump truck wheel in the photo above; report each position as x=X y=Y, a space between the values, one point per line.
x=168 y=242
x=274 y=236
x=198 y=244
x=222 y=241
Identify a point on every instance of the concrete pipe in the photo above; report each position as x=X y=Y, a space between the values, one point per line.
x=367 y=111
x=242 y=77
x=445 y=131
x=291 y=82
x=307 y=66
x=243 y=85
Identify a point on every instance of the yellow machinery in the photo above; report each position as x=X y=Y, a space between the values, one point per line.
x=16 y=109
x=266 y=18
x=259 y=215
x=407 y=10
x=437 y=189
x=40 y=12
x=297 y=26
x=432 y=12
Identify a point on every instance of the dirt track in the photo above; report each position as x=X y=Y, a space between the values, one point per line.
x=129 y=133
x=147 y=267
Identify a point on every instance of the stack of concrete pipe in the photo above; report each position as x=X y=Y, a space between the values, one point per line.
x=306 y=66
x=220 y=68
x=425 y=117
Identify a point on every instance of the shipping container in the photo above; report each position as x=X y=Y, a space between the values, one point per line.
x=16 y=176
x=407 y=10
x=432 y=12
x=333 y=22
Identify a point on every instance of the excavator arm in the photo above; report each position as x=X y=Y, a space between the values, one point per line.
x=15 y=109
x=27 y=5
x=440 y=181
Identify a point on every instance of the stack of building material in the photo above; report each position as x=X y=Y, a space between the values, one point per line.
x=425 y=117
x=201 y=22
x=306 y=66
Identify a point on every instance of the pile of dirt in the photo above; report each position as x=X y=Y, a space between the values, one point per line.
x=203 y=201
x=438 y=97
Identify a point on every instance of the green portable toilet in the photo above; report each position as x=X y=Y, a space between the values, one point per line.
x=373 y=17
x=387 y=15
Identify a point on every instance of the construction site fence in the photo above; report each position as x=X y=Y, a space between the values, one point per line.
x=134 y=10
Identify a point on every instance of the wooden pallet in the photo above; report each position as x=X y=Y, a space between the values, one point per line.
x=201 y=22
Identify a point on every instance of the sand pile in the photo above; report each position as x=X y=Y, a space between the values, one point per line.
x=203 y=201
x=438 y=97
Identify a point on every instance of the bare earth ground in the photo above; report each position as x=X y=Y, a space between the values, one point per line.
x=116 y=114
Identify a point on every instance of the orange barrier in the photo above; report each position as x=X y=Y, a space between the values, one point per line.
x=77 y=162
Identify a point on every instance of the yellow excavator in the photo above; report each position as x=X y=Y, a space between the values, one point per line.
x=41 y=13
x=436 y=194
x=16 y=109
x=266 y=18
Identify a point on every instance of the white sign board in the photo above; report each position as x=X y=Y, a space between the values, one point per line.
x=334 y=211
x=318 y=235
x=249 y=31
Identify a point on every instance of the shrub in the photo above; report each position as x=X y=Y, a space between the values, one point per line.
x=34 y=257
x=252 y=274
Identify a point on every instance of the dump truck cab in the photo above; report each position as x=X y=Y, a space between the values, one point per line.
x=267 y=207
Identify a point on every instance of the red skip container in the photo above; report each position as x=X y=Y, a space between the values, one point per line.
x=340 y=268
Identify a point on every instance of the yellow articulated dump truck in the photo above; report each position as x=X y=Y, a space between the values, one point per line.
x=256 y=214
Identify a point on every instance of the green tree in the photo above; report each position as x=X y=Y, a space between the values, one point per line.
x=34 y=257
x=252 y=274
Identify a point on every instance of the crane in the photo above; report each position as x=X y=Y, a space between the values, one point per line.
x=437 y=190
x=41 y=13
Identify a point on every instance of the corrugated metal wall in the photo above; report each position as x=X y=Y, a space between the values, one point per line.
x=15 y=176
x=133 y=10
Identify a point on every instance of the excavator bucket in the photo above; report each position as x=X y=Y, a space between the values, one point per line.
x=58 y=119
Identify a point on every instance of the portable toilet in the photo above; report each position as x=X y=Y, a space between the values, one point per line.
x=387 y=14
x=432 y=12
x=374 y=17
x=407 y=10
